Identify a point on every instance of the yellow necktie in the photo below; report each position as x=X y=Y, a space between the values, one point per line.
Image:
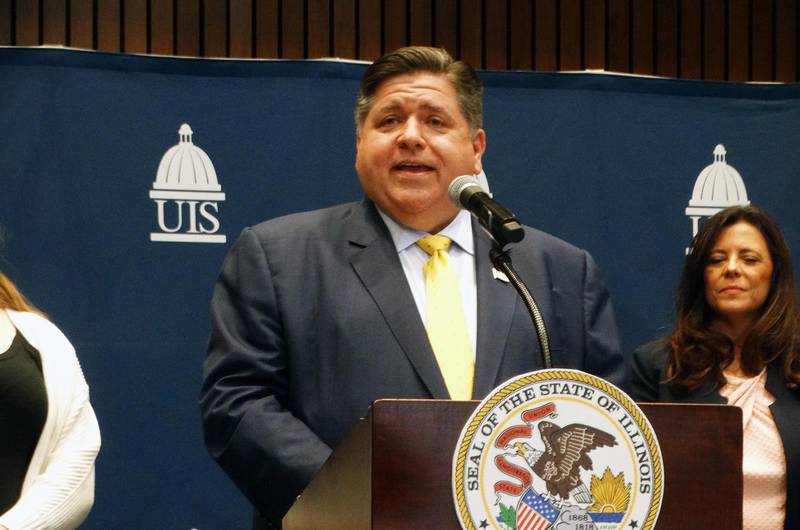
x=444 y=319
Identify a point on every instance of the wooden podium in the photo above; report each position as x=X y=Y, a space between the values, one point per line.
x=393 y=470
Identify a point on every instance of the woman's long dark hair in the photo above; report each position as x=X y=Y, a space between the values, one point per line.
x=697 y=352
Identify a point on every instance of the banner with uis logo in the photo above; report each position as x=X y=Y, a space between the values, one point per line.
x=187 y=184
x=125 y=179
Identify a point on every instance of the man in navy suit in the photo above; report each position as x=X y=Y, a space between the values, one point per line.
x=317 y=314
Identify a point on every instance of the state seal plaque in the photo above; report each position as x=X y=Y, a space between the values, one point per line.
x=558 y=449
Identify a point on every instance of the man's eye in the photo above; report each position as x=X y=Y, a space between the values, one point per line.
x=436 y=122
x=388 y=121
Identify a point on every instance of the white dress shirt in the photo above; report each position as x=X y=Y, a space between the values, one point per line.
x=462 y=257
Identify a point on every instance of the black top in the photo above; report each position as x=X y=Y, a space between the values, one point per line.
x=23 y=410
x=647 y=383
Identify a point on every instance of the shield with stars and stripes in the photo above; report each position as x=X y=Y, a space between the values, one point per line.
x=534 y=512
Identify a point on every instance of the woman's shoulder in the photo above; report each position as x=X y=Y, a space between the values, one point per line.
x=39 y=331
x=653 y=353
x=647 y=371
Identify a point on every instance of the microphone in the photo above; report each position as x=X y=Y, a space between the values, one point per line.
x=467 y=193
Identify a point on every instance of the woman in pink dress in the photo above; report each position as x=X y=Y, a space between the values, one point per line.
x=735 y=340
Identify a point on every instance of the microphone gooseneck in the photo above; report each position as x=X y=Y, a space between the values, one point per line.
x=502 y=262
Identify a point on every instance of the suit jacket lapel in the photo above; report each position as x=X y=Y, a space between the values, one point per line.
x=375 y=261
x=496 y=303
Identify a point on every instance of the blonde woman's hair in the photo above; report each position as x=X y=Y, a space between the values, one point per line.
x=11 y=298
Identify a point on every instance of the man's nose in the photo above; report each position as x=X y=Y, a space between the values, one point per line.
x=411 y=135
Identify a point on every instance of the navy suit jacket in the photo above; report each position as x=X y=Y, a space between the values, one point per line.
x=647 y=384
x=312 y=320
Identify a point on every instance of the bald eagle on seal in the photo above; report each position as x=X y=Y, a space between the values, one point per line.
x=565 y=453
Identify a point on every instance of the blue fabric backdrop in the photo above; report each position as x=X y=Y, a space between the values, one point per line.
x=608 y=163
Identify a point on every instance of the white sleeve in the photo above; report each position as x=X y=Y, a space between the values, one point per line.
x=60 y=492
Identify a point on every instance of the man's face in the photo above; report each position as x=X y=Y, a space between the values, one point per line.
x=413 y=143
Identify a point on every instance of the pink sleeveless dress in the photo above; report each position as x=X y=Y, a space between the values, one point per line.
x=764 y=464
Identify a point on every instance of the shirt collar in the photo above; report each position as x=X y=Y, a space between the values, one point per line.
x=459 y=231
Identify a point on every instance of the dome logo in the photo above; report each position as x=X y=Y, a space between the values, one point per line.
x=187 y=194
x=718 y=186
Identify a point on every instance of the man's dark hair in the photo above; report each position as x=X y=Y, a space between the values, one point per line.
x=423 y=59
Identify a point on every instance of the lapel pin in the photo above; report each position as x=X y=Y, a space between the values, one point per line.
x=497 y=275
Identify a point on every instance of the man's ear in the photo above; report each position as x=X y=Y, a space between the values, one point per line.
x=479 y=146
x=358 y=142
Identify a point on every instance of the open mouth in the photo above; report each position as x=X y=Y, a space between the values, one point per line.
x=412 y=167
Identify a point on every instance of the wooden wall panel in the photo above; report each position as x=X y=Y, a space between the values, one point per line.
x=667 y=38
x=691 y=46
x=570 y=42
x=80 y=24
x=786 y=40
x=496 y=42
x=545 y=35
x=521 y=27
x=420 y=22
x=714 y=45
x=292 y=29
x=619 y=37
x=445 y=25
x=319 y=36
x=26 y=23
x=737 y=40
x=135 y=26
x=762 y=54
x=109 y=31
x=643 y=24
x=162 y=28
x=594 y=40
x=5 y=23
x=54 y=21
x=394 y=24
x=267 y=28
x=187 y=28
x=240 y=28
x=344 y=28
x=471 y=41
x=369 y=30
x=215 y=34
